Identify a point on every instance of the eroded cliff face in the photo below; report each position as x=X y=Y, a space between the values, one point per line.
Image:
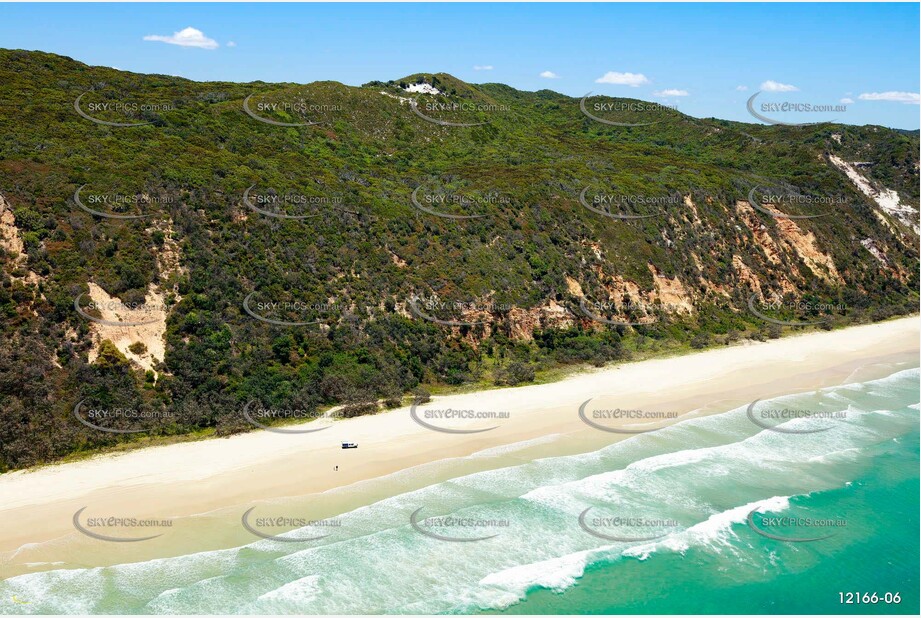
x=788 y=239
x=138 y=331
x=13 y=246
x=781 y=246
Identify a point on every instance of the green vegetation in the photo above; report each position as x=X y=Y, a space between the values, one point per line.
x=367 y=249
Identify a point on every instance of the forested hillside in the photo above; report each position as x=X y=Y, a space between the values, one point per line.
x=172 y=250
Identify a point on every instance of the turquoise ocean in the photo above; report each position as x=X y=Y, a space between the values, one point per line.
x=706 y=516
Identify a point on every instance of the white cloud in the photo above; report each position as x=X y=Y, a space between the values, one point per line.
x=231 y=44
x=671 y=92
x=623 y=79
x=549 y=75
x=188 y=37
x=483 y=67
x=892 y=95
x=772 y=86
x=847 y=101
x=741 y=88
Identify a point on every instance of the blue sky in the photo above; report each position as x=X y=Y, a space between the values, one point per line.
x=705 y=58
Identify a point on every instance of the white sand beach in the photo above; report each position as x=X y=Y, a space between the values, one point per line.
x=212 y=476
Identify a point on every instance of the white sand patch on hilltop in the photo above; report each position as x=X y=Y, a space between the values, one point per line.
x=887 y=199
x=422 y=88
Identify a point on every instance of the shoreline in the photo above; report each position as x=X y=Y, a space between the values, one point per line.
x=202 y=484
x=553 y=376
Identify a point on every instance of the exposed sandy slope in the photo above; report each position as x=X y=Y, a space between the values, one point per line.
x=145 y=324
x=11 y=241
x=887 y=199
